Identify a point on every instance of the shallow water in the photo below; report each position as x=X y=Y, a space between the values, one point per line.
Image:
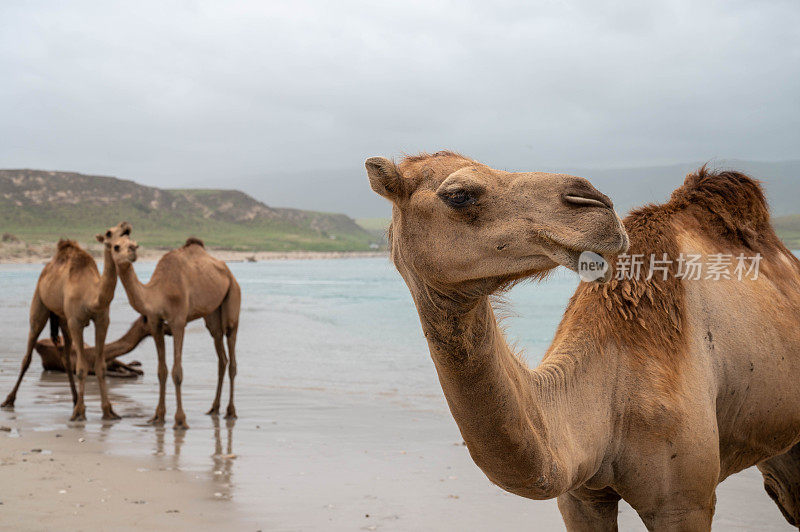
x=340 y=412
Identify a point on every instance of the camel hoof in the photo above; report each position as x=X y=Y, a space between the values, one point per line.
x=110 y=415
x=156 y=420
x=78 y=417
x=231 y=413
x=8 y=404
x=180 y=425
x=214 y=411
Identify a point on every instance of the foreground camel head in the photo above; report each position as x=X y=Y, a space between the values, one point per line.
x=123 y=250
x=114 y=233
x=455 y=220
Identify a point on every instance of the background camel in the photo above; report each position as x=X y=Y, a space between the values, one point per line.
x=52 y=356
x=653 y=390
x=71 y=291
x=187 y=284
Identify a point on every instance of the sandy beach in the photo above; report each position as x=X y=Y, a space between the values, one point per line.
x=377 y=467
x=66 y=479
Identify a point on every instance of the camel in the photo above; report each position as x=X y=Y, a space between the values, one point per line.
x=187 y=284
x=52 y=359
x=655 y=388
x=71 y=292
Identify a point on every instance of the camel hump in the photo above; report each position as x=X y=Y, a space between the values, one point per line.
x=68 y=251
x=194 y=240
x=732 y=206
x=729 y=191
x=65 y=243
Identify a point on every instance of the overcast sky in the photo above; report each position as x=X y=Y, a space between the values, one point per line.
x=280 y=96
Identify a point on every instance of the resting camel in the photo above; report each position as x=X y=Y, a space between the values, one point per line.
x=52 y=358
x=71 y=292
x=653 y=390
x=187 y=284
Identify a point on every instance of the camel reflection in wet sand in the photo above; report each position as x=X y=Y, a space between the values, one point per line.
x=50 y=389
x=222 y=459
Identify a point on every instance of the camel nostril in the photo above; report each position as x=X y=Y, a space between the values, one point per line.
x=580 y=193
x=586 y=201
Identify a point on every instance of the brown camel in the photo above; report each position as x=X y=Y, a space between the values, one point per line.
x=71 y=292
x=653 y=390
x=187 y=284
x=52 y=357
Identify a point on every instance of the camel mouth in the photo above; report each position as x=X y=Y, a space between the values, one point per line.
x=569 y=258
x=589 y=265
x=590 y=262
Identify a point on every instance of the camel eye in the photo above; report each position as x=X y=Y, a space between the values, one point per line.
x=116 y=248
x=458 y=199
x=108 y=234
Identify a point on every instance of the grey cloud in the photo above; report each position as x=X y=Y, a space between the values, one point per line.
x=287 y=98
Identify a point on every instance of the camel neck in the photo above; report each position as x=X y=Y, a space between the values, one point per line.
x=488 y=391
x=108 y=280
x=515 y=421
x=127 y=342
x=134 y=289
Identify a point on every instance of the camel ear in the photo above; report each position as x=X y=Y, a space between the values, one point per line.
x=100 y=238
x=384 y=178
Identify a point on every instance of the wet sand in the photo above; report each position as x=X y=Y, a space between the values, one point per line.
x=309 y=460
x=65 y=479
x=342 y=425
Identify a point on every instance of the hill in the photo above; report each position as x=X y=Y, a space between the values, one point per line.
x=41 y=206
x=788 y=228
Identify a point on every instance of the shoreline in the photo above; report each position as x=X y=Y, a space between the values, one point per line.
x=44 y=254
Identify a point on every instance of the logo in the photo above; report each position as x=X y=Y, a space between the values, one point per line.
x=592 y=267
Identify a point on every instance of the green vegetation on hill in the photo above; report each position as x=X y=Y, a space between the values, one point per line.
x=377 y=227
x=374 y=224
x=39 y=206
x=788 y=229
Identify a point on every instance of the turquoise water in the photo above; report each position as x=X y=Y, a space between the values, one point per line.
x=352 y=324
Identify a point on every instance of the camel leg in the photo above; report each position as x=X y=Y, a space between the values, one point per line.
x=230 y=321
x=177 y=373
x=157 y=330
x=680 y=519
x=231 y=412
x=38 y=319
x=100 y=330
x=589 y=510
x=688 y=507
x=76 y=333
x=66 y=355
x=214 y=326
x=782 y=482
